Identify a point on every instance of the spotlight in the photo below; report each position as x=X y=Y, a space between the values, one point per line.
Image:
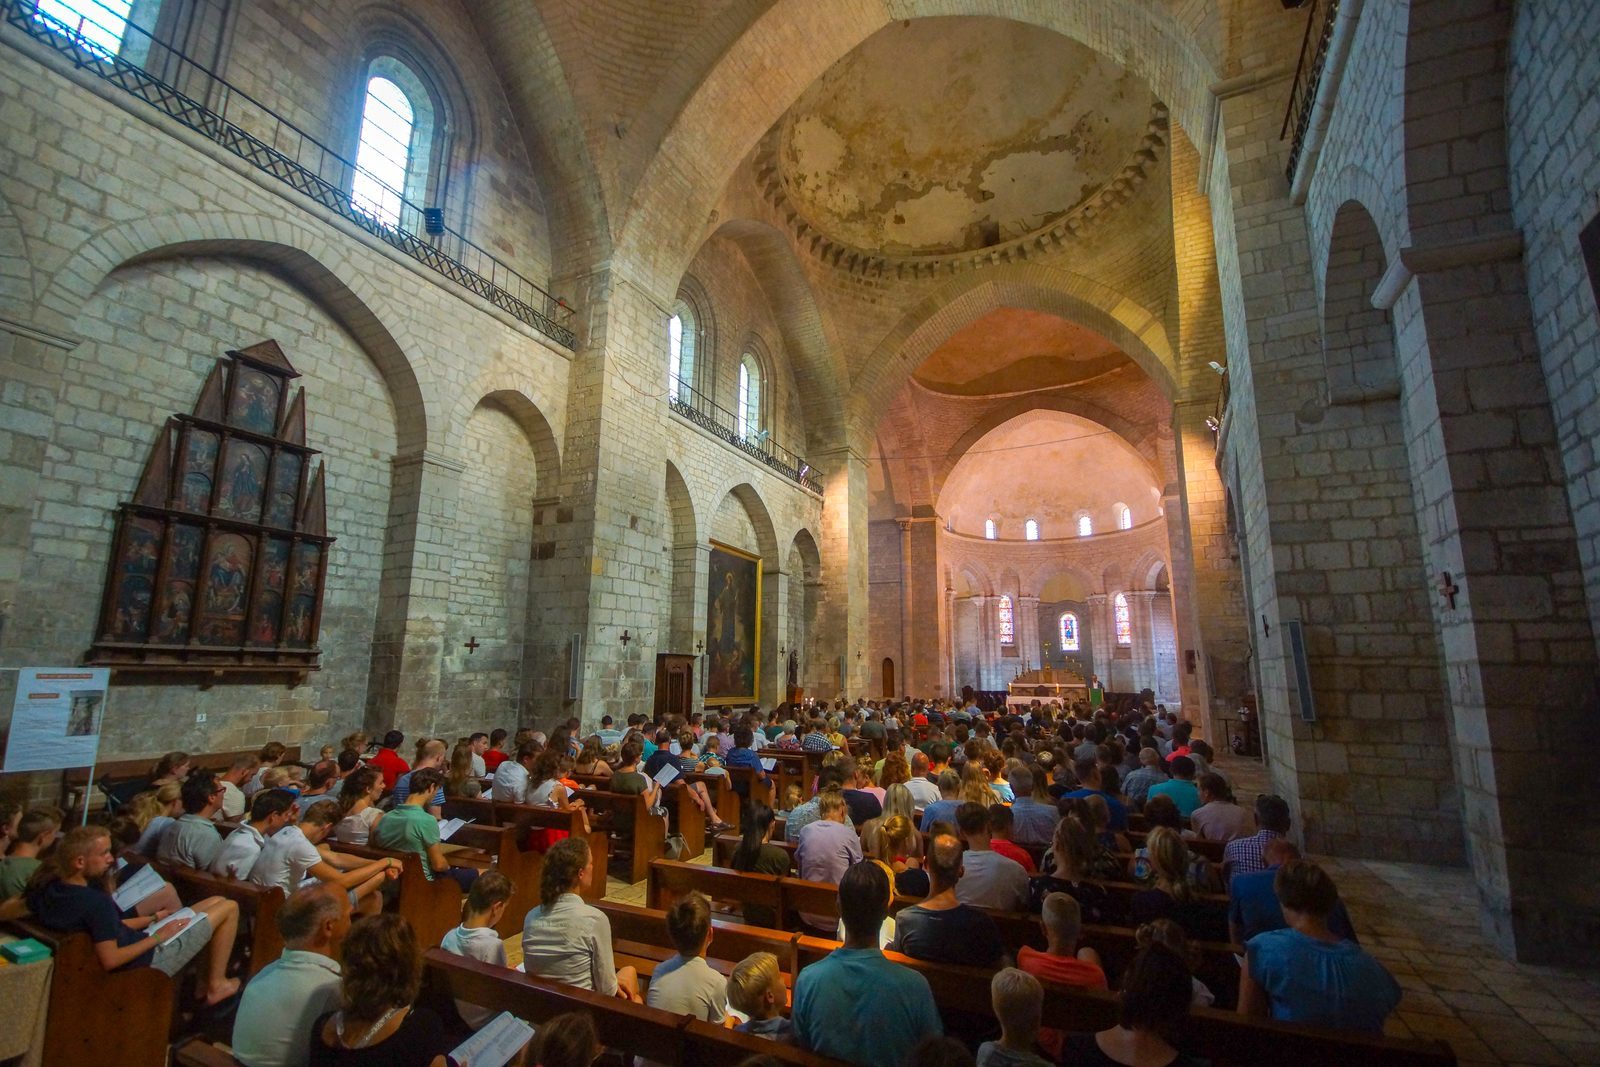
x=1215 y=426
x=1219 y=368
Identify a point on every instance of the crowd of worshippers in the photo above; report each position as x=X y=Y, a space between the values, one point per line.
x=964 y=814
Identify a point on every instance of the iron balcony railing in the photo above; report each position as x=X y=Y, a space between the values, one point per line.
x=1320 y=18
x=707 y=414
x=256 y=134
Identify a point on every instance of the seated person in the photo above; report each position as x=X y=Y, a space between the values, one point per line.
x=944 y=809
x=36 y=830
x=72 y=893
x=990 y=879
x=1069 y=867
x=1002 y=822
x=1151 y=1013
x=296 y=853
x=1018 y=1001
x=1219 y=818
x=359 y=795
x=855 y=1004
x=1062 y=960
x=377 y=1021
x=192 y=839
x=686 y=984
x=629 y=779
x=411 y=828
x=942 y=929
x=827 y=849
x=281 y=1004
x=156 y=811
x=567 y=940
x=755 y=990
x=899 y=846
x=477 y=938
x=270 y=811
x=1168 y=933
x=1180 y=787
x=568 y=1040
x=1307 y=973
x=1253 y=903
x=512 y=778
x=756 y=853
x=1173 y=895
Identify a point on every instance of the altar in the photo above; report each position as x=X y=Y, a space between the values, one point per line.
x=1046 y=685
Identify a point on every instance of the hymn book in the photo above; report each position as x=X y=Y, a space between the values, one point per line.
x=495 y=1044
x=144 y=882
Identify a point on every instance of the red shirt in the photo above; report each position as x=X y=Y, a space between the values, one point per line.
x=1013 y=851
x=1063 y=969
x=493 y=758
x=390 y=764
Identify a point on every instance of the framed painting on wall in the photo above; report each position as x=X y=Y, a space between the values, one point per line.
x=733 y=626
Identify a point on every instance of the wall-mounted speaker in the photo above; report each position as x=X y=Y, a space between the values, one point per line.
x=1302 y=668
x=574 y=666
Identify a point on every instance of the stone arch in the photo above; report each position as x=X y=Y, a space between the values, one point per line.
x=1357 y=338
x=1032 y=287
x=1041 y=575
x=683 y=553
x=803 y=572
x=813 y=357
x=541 y=438
x=977 y=577
x=306 y=257
x=760 y=518
x=729 y=111
x=1145 y=569
x=17 y=296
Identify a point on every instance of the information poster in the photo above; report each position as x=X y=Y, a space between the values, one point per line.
x=56 y=718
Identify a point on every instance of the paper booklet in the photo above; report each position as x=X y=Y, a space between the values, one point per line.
x=666 y=774
x=144 y=882
x=675 y=748
x=769 y=764
x=450 y=826
x=182 y=913
x=495 y=1044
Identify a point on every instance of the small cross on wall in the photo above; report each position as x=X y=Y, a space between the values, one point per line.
x=1448 y=589
x=625 y=638
x=472 y=645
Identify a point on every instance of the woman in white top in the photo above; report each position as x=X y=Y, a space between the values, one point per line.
x=358 y=803
x=565 y=939
x=477 y=938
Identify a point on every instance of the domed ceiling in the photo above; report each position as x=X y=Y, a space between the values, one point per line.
x=1013 y=350
x=947 y=135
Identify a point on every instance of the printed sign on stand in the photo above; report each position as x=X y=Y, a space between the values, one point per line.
x=56 y=718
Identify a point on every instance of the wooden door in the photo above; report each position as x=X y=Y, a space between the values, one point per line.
x=675 y=693
x=888 y=677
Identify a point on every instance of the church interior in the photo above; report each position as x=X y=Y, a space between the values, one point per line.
x=445 y=365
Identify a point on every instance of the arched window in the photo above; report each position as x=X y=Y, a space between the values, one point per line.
x=749 y=413
x=1124 y=621
x=989 y=529
x=99 y=24
x=674 y=354
x=1085 y=526
x=1030 y=530
x=1008 y=623
x=393 y=150
x=1124 y=517
x=1069 y=632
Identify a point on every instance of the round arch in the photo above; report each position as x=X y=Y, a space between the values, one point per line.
x=680 y=509
x=308 y=259
x=760 y=518
x=546 y=450
x=1357 y=337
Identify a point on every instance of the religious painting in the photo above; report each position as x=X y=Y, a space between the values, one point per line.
x=220 y=559
x=254 y=403
x=733 y=627
x=244 y=479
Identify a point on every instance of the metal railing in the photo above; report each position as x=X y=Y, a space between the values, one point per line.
x=256 y=134
x=711 y=416
x=1320 y=18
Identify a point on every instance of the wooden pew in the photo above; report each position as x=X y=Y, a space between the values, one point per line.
x=1210 y=850
x=122 y=771
x=729 y=804
x=723 y=847
x=101 y=1017
x=659 y=1036
x=670 y=880
x=433 y=908
x=759 y=791
x=198 y=1052
x=1225 y=1038
x=730 y=941
x=258 y=910
x=523 y=819
x=649 y=838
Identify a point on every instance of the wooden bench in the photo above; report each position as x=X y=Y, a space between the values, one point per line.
x=730 y=941
x=723 y=846
x=123 y=771
x=258 y=910
x=1208 y=850
x=635 y=1029
x=198 y=1052
x=648 y=840
x=433 y=908
x=99 y=1016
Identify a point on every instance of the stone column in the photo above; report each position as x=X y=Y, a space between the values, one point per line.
x=1140 y=603
x=988 y=608
x=413 y=595
x=907 y=609
x=1028 y=632
x=842 y=613
x=774 y=632
x=1100 y=635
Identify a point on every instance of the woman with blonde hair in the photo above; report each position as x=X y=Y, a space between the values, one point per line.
x=897 y=800
x=1173 y=896
x=154 y=812
x=1069 y=867
x=975 y=788
x=899 y=847
x=895 y=769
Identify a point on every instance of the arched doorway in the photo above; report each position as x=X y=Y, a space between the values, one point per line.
x=888 y=678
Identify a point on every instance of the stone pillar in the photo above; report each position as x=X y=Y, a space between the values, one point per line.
x=1185 y=624
x=907 y=610
x=1101 y=636
x=988 y=640
x=1169 y=669
x=774 y=632
x=691 y=568
x=413 y=595
x=842 y=612
x=1140 y=605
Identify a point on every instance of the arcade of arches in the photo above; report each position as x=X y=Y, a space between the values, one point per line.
x=999 y=335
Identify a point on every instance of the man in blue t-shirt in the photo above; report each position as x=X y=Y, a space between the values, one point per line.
x=1253 y=902
x=1308 y=974
x=856 y=1005
x=1180 y=787
x=1088 y=772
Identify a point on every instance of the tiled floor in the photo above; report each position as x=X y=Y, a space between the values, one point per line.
x=1422 y=922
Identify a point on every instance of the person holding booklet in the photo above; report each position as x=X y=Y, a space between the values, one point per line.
x=378 y=1023
x=410 y=828
x=476 y=937
x=71 y=893
x=296 y=853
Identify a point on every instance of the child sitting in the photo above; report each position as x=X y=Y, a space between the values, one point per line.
x=755 y=990
x=1018 y=1001
x=476 y=937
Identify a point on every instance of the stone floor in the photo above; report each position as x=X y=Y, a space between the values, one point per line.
x=1422 y=922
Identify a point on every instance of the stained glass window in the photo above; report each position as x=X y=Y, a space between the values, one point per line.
x=989 y=529
x=1124 y=620
x=1008 y=624
x=1030 y=530
x=1069 y=632
x=1085 y=526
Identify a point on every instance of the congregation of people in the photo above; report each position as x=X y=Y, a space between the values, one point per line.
x=931 y=818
